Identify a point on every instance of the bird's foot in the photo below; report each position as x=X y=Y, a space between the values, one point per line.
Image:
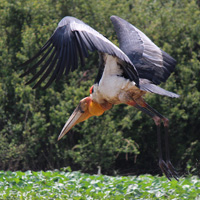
x=165 y=169
x=168 y=169
x=172 y=170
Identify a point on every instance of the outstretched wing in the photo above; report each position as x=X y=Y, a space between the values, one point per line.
x=71 y=40
x=150 y=61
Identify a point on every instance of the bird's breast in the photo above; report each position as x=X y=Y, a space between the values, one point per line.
x=116 y=90
x=113 y=87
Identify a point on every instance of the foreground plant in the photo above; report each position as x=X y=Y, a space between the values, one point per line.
x=76 y=185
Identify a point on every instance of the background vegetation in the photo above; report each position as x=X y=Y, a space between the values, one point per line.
x=122 y=141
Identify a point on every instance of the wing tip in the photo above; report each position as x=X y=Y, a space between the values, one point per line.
x=158 y=90
x=114 y=17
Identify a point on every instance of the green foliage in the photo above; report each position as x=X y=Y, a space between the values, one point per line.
x=101 y=144
x=75 y=185
x=30 y=120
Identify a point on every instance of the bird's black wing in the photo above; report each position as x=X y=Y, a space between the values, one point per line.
x=101 y=68
x=71 y=40
x=150 y=61
x=146 y=85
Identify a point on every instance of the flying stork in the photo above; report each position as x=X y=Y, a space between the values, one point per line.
x=125 y=74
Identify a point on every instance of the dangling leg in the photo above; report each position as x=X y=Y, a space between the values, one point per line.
x=166 y=126
x=157 y=120
x=162 y=163
x=167 y=169
x=169 y=164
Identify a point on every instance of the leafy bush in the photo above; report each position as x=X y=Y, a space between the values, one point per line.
x=30 y=120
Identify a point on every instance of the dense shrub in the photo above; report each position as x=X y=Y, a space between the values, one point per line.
x=122 y=140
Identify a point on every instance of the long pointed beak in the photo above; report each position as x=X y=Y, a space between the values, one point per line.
x=77 y=116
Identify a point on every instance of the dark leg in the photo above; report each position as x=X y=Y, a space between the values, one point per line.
x=162 y=163
x=166 y=126
x=169 y=164
x=168 y=168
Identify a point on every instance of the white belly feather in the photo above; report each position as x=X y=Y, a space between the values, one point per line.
x=112 y=87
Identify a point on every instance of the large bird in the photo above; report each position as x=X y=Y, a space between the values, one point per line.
x=124 y=74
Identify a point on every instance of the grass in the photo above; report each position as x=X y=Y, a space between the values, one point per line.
x=78 y=186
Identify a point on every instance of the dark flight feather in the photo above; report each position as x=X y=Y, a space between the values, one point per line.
x=150 y=61
x=71 y=40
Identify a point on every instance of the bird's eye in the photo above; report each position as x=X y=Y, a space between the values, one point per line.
x=92 y=89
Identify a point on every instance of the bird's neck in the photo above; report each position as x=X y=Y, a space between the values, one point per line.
x=106 y=106
x=97 y=109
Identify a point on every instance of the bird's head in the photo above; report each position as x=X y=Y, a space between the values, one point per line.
x=85 y=109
